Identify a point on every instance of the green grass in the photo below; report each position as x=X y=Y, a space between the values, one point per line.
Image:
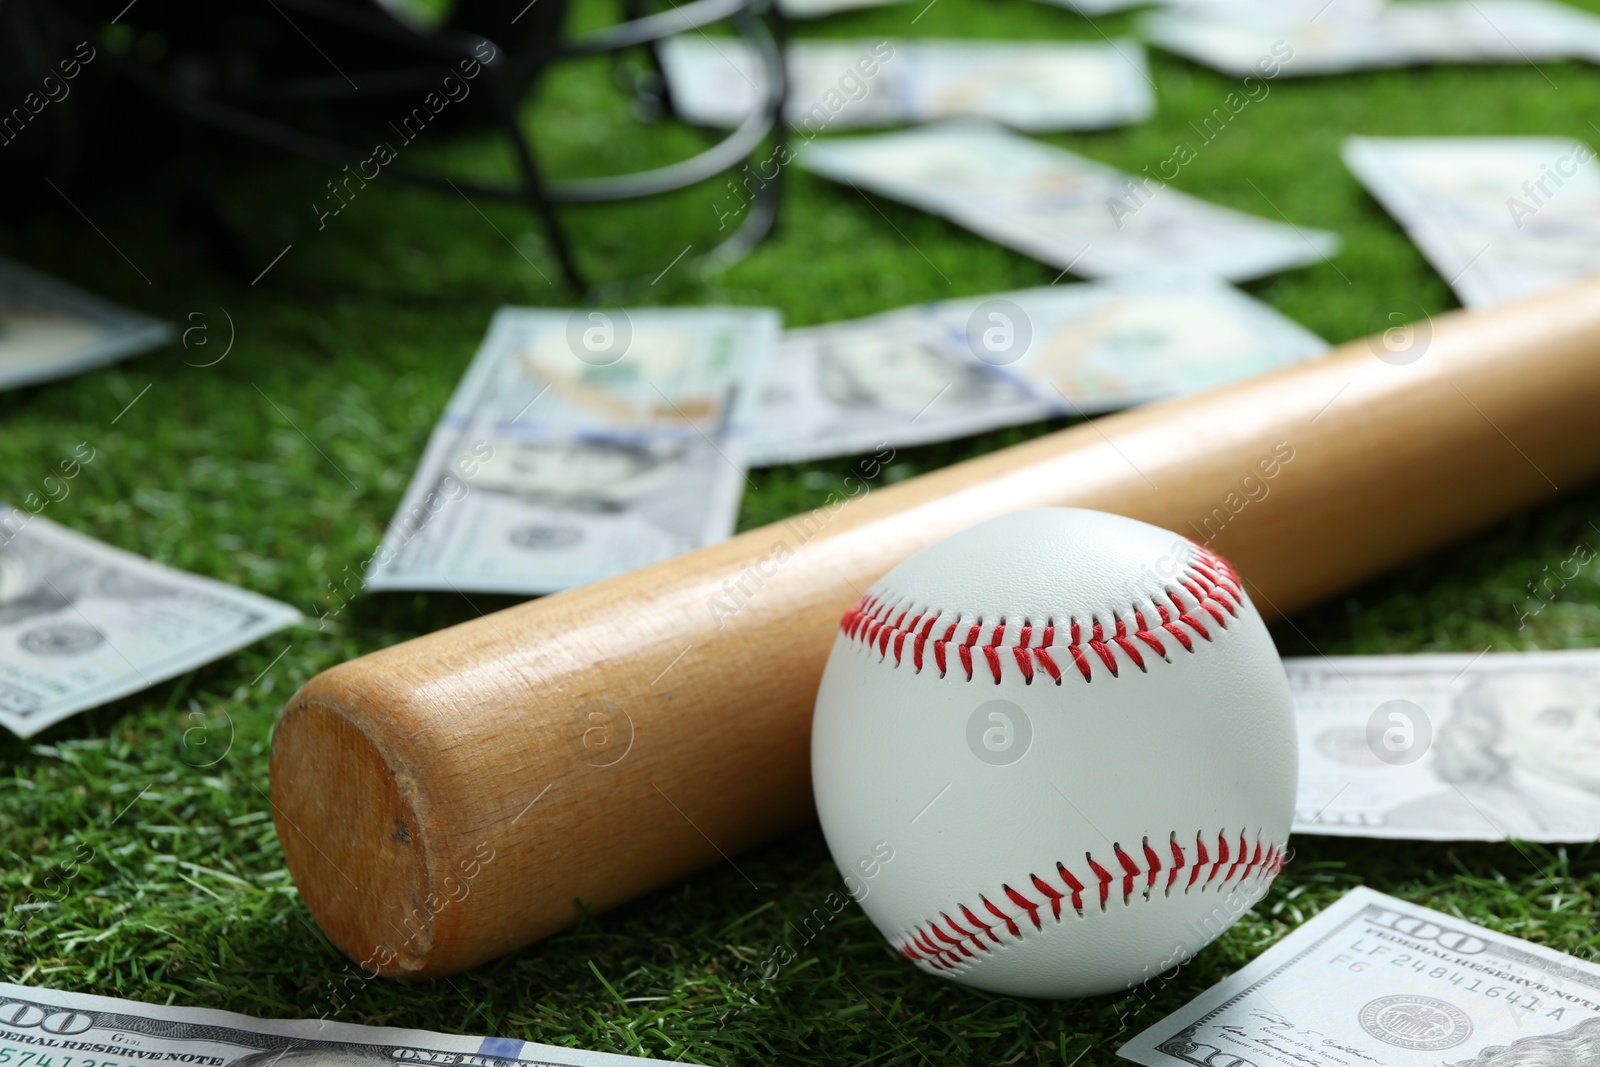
x=358 y=336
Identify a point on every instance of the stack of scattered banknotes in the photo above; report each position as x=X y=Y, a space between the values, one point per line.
x=585 y=443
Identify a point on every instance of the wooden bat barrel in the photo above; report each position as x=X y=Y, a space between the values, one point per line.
x=452 y=798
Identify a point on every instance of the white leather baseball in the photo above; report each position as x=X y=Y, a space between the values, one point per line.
x=1071 y=736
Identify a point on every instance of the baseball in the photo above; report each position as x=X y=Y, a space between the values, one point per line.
x=1054 y=755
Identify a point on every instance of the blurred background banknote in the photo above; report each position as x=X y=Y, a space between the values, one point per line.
x=938 y=371
x=838 y=84
x=581 y=444
x=1373 y=980
x=1304 y=37
x=1103 y=7
x=1063 y=209
x=51 y=1028
x=1097 y=7
x=1499 y=217
x=813 y=9
x=1449 y=747
x=82 y=623
x=49 y=329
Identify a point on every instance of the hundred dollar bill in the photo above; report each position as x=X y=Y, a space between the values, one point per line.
x=944 y=370
x=1373 y=981
x=838 y=84
x=1102 y=7
x=1449 y=747
x=1061 y=208
x=49 y=329
x=82 y=623
x=51 y=1028
x=1097 y=7
x=581 y=444
x=812 y=9
x=1343 y=35
x=1499 y=217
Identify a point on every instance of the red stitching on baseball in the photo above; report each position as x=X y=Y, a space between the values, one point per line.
x=992 y=654
x=1055 y=898
x=1238 y=858
x=1011 y=924
x=1081 y=660
x=1104 y=877
x=1072 y=884
x=1097 y=642
x=965 y=951
x=1121 y=638
x=1025 y=904
x=1129 y=870
x=1210 y=581
x=941 y=943
x=1043 y=656
x=1200 y=864
x=975 y=921
x=963 y=934
x=1024 y=659
x=1255 y=861
x=1222 y=856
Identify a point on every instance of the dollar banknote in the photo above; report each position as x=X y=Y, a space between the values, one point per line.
x=1046 y=85
x=1097 y=7
x=1290 y=39
x=52 y=1028
x=49 y=329
x=943 y=370
x=1498 y=217
x=581 y=444
x=82 y=623
x=1449 y=747
x=1061 y=208
x=1104 y=7
x=813 y=9
x=1373 y=981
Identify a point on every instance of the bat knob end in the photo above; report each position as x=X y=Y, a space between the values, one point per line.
x=351 y=820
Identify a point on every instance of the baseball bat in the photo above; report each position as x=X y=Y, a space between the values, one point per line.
x=457 y=796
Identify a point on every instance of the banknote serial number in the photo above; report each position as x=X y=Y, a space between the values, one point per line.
x=1361 y=957
x=21 y=1057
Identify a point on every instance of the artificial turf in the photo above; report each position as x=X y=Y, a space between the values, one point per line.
x=278 y=467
